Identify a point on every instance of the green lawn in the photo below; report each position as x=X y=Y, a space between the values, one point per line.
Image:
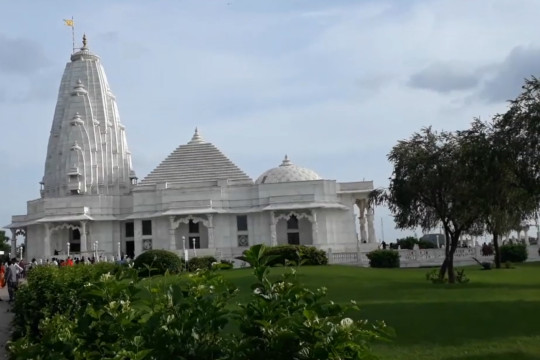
x=495 y=316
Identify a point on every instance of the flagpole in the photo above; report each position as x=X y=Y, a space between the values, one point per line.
x=73 y=34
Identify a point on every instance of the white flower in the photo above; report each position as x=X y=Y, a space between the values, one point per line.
x=105 y=277
x=346 y=322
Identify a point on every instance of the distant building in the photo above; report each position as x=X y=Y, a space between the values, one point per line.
x=196 y=198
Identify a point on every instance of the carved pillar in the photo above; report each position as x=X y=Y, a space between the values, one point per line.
x=13 y=242
x=84 y=240
x=211 y=239
x=314 y=227
x=273 y=235
x=172 y=234
x=137 y=225
x=371 y=228
x=362 y=218
x=47 y=241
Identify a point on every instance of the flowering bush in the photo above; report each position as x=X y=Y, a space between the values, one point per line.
x=118 y=315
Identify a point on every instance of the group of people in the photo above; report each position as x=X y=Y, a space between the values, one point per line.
x=9 y=275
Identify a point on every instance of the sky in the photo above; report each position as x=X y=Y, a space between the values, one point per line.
x=332 y=84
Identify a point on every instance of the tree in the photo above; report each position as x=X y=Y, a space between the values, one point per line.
x=4 y=246
x=429 y=187
x=500 y=201
x=518 y=133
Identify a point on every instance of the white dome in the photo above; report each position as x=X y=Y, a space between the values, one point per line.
x=287 y=172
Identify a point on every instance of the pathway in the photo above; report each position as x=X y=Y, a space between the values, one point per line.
x=5 y=322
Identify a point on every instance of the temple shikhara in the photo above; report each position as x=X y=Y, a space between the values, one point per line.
x=195 y=199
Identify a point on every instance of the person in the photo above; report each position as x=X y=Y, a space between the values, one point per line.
x=12 y=280
x=2 y=277
x=384 y=245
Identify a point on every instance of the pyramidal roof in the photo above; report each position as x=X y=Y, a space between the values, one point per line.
x=196 y=161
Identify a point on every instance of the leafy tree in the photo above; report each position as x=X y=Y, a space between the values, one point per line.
x=500 y=201
x=518 y=133
x=4 y=246
x=429 y=187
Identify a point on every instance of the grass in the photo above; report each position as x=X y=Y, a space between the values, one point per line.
x=495 y=316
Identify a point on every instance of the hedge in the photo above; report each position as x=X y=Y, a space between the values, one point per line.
x=157 y=262
x=305 y=255
x=383 y=259
x=513 y=253
x=201 y=263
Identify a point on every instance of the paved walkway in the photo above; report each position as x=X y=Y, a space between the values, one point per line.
x=5 y=322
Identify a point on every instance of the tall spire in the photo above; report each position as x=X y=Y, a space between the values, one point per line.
x=87 y=151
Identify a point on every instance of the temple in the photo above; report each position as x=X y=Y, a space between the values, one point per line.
x=196 y=199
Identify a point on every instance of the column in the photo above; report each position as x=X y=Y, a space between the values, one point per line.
x=84 y=243
x=273 y=235
x=172 y=234
x=371 y=228
x=211 y=240
x=314 y=227
x=137 y=227
x=47 y=242
x=362 y=219
x=13 y=242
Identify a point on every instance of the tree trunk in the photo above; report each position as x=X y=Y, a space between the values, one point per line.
x=442 y=270
x=497 y=250
x=448 y=264
x=444 y=266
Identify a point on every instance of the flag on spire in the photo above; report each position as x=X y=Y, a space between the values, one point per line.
x=69 y=22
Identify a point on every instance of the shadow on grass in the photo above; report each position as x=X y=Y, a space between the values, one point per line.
x=453 y=323
x=511 y=355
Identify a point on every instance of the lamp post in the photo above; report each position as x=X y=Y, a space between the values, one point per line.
x=185 y=250
x=68 y=245
x=193 y=241
x=119 y=252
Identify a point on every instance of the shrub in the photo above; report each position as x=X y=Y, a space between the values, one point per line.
x=313 y=328
x=434 y=277
x=123 y=316
x=515 y=253
x=407 y=243
x=461 y=277
x=223 y=265
x=51 y=290
x=157 y=262
x=298 y=254
x=423 y=244
x=201 y=263
x=383 y=259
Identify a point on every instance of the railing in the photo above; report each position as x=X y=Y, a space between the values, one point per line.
x=422 y=257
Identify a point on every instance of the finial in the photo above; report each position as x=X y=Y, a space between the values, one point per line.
x=286 y=161
x=196 y=139
x=84 y=41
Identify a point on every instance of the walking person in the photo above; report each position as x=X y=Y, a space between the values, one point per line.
x=12 y=278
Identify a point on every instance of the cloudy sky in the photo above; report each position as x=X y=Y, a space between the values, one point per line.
x=333 y=84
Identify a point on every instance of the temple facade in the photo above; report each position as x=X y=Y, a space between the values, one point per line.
x=196 y=200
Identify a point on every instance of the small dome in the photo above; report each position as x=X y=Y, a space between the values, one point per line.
x=287 y=172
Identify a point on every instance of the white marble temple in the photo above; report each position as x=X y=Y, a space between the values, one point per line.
x=195 y=199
